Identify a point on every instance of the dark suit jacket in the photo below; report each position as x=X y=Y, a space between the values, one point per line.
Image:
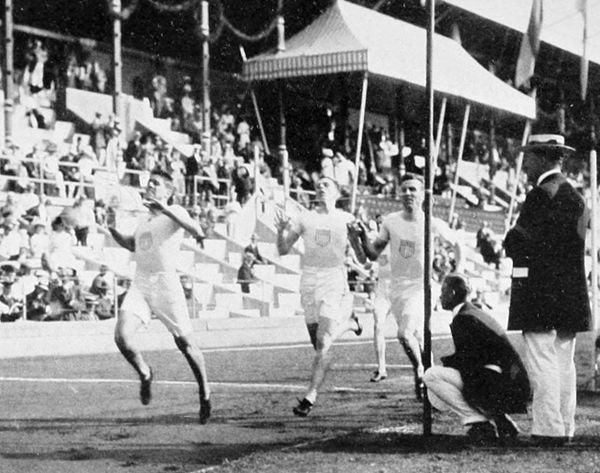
x=257 y=256
x=245 y=277
x=549 y=240
x=479 y=341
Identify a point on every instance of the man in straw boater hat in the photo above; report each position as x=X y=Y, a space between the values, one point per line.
x=324 y=293
x=549 y=298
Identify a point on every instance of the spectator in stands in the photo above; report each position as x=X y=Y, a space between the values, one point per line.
x=241 y=181
x=159 y=95
x=10 y=246
x=9 y=308
x=132 y=158
x=253 y=248
x=489 y=247
x=114 y=151
x=245 y=274
x=39 y=241
x=343 y=170
x=38 y=301
x=98 y=78
x=79 y=217
x=327 y=163
x=87 y=164
x=102 y=302
x=100 y=282
x=66 y=299
x=38 y=83
x=243 y=137
x=100 y=212
x=51 y=171
x=60 y=252
x=98 y=136
x=232 y=210
x=186 y=103
x=177 y=168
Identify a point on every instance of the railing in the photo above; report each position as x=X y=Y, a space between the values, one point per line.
x=120 y=176
x=215 y=196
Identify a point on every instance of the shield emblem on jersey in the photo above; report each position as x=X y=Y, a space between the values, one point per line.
x=407 y=248
x=322 y=237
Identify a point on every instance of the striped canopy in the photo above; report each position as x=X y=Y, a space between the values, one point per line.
x=351 y=38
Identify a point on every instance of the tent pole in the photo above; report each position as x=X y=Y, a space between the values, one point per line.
x=8 y=72
x=263 y=136
x=461 y=150
x=283 y=153
x=259 y=121
x=361 y=126
x=440 y=128
x=513 y=195
x=594 y=223
x=428 y=207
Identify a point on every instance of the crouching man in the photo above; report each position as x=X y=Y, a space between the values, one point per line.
x=484 y=380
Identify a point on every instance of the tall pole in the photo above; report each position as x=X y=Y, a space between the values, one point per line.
x=440 y=129
x=428 y=207
x=594 y=236
x=8 y=70
x=513 y=195
x=283 y=153
x=205 y=31
x=117 y=59
x=361 y=127
x=461 y=150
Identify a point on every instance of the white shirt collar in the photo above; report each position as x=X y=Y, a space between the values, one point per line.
x=457 y=308
x=546 y=174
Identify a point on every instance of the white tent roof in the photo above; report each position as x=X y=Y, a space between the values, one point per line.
x=348 y=38
x=562 y=25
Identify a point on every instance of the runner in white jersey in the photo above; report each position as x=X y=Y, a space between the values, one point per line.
x=156 y=287
x=402 y=294
x=324 y=293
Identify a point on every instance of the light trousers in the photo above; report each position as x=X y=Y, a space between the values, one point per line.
x=551 y=367
x=444 y=390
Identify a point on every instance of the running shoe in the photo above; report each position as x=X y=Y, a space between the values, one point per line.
x=378 y=376
x=303 y=408
x=146 y=388
x=419 y=388
x=358 y=330
x=205 y=409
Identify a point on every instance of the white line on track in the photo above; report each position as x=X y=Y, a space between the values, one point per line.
x=273 y=387
x=302 y=345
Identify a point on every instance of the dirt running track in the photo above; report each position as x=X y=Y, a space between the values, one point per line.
x=74 y=415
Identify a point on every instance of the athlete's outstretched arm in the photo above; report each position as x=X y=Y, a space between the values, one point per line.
x=286 y=238
x=126 y=241
x=372 y=249
x=180 y=216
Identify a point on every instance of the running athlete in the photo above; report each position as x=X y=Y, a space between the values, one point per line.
x=324 y=293
x=402 y=294
x=156 y=288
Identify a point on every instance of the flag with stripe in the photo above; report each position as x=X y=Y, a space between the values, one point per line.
x=530 y=45
x=583 y=7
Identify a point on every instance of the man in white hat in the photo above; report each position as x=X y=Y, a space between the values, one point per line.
x=549 y=299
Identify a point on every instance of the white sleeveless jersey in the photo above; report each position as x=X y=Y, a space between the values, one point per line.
x=325 y=237
x=157 y=242
x=406 y=243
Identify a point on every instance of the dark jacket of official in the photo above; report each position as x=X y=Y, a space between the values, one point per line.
x=549 y=240
x=479 y=341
